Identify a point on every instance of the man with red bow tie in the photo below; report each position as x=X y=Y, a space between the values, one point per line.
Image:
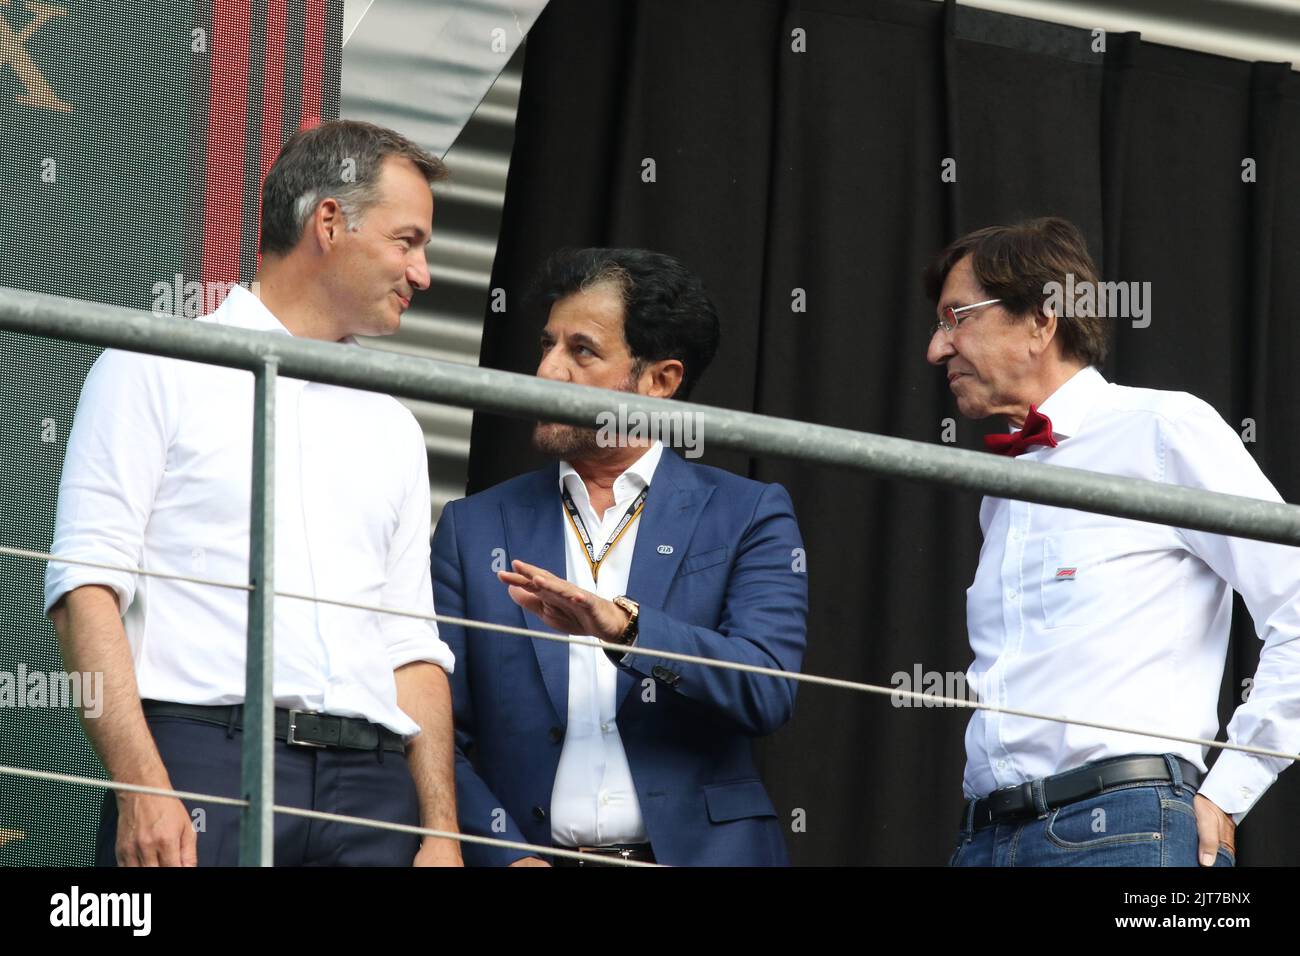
x=1095 y=617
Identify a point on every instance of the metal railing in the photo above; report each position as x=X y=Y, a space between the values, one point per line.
x=268 y=355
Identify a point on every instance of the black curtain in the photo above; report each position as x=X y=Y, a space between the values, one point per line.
x=798 y=154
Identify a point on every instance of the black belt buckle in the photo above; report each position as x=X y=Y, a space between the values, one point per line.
x=1014 y=800
x=290 y=737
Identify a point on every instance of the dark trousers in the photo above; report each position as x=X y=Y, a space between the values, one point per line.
x=205 y=758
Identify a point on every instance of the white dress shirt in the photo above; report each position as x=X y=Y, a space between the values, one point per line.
x=1126 y=622
x=593 y=802
x=158 y=476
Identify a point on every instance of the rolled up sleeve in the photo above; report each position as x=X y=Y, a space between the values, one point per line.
x=116 y=456
x=409 y=583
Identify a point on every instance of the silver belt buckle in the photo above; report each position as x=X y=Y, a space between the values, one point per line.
x=293 y=726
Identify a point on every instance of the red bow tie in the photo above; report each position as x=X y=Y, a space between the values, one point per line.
x=1037 y=431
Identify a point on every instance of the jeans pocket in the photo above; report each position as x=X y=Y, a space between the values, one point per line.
x=956 y=854
x=1134 y=816
x=1225 y=857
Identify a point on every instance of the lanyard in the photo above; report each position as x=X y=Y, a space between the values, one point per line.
x=580 y=527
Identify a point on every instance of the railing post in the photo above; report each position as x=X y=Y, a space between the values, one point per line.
x=257 y=827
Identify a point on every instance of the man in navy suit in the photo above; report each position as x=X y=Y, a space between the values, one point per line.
x=627 y=755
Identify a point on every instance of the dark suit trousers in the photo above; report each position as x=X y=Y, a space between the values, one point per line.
x=205 y=758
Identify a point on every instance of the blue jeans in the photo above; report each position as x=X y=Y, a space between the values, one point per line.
x=1132 y=825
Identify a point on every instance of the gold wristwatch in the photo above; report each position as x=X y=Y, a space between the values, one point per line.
x=628 y=637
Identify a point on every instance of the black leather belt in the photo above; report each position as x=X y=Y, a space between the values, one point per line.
x=1017 y=802
x=299 y=728
x=640 y=852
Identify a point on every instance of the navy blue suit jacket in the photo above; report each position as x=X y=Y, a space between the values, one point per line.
x=731 y=586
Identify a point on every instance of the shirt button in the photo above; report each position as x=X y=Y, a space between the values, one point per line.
x=1013 y=595
x=1014 y=536
x=1002 y=765
x=604 y=799
x=604 y=727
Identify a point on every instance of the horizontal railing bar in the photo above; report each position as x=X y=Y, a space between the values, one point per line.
x=525 y=396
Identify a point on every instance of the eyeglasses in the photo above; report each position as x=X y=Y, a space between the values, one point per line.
x=954 y=317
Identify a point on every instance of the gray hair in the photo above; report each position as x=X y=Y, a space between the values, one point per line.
x=339 y=160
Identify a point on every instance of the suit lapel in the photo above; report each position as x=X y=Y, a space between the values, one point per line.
x=672 y=511
x=535 y=533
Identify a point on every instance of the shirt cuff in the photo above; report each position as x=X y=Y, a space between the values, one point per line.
x=62 y=579
x=418 y=644
x=1236 y=781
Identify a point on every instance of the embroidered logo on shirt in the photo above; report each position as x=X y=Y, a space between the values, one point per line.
x=1065 y=572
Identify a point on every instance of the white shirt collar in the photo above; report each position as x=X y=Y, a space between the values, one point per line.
x=244 y=310
x=1069 y=405
x=637 y=476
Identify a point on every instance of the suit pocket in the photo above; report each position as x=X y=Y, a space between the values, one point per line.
x=738 y=801
x=702 y=560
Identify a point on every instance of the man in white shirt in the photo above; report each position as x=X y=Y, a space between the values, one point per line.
x=157 y=476
x=628 y=755
x=1095 y=617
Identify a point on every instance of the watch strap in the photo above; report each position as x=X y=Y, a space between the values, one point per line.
x=634 y=613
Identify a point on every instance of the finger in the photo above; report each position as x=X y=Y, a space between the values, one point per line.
x=169 y=851
x=125 y=852
x=552 y=584
x=523 y=567
x=1207 y=831
x=189 y=846
x=526 y=600
x=142 y=836
x=509 y=577
x=534 y=605
x=554 y=611
x=564 y=590
x=541 y=577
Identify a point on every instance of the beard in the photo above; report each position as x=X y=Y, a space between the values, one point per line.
x=576 y=442
x=568 y=442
